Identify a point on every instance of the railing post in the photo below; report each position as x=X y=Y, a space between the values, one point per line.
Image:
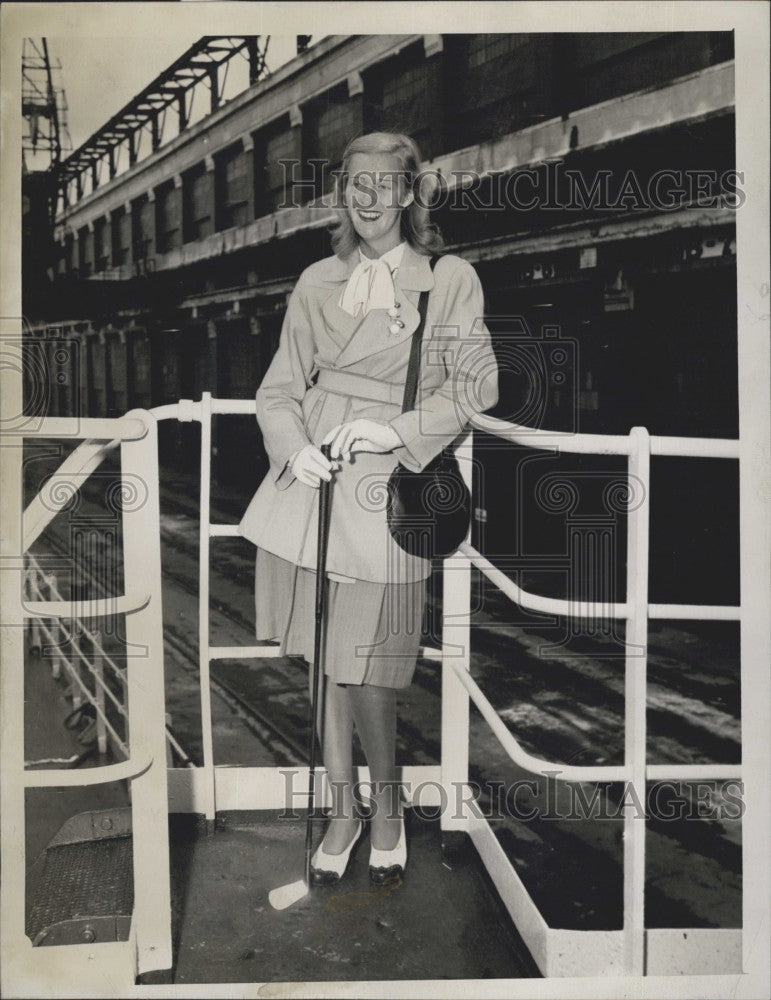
x=12 y=793
x=57 y=659
x=209 y=802
x=35 y=637
x=101 y=730
x=33 y=588
x=638 y=530
x=169 y=754
x=147 y=707
x=456 y=649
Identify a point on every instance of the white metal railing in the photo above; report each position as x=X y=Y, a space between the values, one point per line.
x=144 y=742
x=59 y=489
x=38 y=582
x=215 y=787
x=66 y=632
x=459 y=688
x=558 y=952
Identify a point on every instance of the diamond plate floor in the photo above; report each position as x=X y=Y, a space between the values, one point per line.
x=89 y=879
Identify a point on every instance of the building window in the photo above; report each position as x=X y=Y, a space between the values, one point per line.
x=603 y=66
x=98 y=360
x=101 y=247
x=486 y=48
x=272 y=146
x=121 y=237
x=197 y=200
x=65 y=255
x=72 y=252
x=404 y=94
x=143 y=228
x=168 y=217
x=329 y=124
x=498 y=84
x=233 y=182
x=140 y=380
x=85 y=251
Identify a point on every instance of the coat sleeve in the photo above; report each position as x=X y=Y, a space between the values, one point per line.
x=279 y=397
x=462 y=347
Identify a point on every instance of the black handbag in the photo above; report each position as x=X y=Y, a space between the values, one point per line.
x=428 y=512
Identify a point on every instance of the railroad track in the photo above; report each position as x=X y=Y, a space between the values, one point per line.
x=564 y=705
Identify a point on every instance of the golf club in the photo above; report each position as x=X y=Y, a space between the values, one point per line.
x=286 y=895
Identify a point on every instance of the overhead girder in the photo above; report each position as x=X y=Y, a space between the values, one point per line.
x=198 y=65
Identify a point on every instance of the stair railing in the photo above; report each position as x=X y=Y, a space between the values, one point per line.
x=149 y=946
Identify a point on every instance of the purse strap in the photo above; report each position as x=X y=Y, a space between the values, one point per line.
x=413 y=368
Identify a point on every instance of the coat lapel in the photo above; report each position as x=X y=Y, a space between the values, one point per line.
x=371 y=334
x=339 y=324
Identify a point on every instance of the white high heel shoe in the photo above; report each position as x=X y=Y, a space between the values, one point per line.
x=387 y=866
x=326 y=869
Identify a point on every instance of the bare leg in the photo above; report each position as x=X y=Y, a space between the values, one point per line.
x=374 y=712
x=338 y=759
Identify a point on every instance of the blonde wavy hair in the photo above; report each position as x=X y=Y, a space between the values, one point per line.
x=416 y=227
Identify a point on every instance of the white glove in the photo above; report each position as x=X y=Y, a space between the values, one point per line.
x=310 y=466
x=361 y=435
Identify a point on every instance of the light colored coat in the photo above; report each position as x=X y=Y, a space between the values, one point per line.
x=458 y=379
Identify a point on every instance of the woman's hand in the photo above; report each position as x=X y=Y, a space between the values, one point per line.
x=310 y=466
x=361 y=435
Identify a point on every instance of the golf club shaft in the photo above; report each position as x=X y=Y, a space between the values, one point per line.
x=318 y=666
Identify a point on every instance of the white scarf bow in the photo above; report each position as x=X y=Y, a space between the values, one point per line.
x=370 y=286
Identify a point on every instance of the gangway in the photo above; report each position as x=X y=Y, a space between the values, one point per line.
x=211 y=790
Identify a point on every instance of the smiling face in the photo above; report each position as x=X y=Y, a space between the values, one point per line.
x=375 y=196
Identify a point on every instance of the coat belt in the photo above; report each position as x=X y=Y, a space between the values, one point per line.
x=360 y=386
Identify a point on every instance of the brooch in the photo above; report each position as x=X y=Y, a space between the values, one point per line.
x=396 y=324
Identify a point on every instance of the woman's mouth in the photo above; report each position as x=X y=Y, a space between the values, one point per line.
x=368 y=216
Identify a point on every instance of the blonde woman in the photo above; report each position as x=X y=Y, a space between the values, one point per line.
x=338 y=377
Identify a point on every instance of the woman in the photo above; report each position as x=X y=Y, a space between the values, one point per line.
x=338 y=377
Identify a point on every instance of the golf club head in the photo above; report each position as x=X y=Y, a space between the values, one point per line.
x=287 y=895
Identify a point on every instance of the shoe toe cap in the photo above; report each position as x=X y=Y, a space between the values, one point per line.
x=320 y=877
x=386 y=876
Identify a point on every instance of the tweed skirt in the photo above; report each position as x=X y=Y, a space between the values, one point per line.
x=372 y=633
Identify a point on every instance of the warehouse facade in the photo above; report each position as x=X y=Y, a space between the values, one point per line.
x=590 y=179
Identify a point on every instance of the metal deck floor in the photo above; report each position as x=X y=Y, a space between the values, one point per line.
x=443 y=922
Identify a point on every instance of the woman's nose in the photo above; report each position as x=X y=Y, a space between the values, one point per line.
x=365 y=197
